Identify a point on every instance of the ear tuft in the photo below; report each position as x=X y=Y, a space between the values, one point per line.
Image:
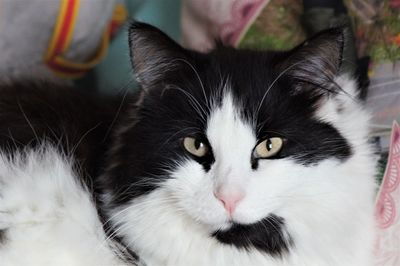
x=153 y=53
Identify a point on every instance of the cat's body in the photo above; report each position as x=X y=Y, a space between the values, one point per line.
x=75 y=121
x=230 y=158
x=53 y=141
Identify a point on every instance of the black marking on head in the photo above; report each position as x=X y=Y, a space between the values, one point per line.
x=278 y=92
x=266 y=235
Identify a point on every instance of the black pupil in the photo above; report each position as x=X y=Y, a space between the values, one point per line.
x=197 y=144
x=268 y=145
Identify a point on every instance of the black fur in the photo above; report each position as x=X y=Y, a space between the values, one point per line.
x=266 y=235
x=138 y=141
x=3 y=237
x=168 y=112
x=78 y=123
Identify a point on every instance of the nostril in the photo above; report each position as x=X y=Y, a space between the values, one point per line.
x=216 y=195
x=220 y=197
x=229 y=201
x=222 y=200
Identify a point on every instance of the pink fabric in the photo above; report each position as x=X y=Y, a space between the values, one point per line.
x=388 y=208
x=242 y=13
x=205 y=21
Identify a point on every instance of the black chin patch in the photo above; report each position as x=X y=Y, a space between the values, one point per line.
x=266 y=235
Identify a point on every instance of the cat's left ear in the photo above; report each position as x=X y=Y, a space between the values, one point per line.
x=317 y=61
x=154 y=55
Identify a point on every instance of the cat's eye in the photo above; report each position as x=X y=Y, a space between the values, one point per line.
x=268 y=148
x=195 y=146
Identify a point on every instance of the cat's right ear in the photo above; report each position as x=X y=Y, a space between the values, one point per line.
x=153 y=54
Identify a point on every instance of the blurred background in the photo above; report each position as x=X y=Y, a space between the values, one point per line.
x=84 y=42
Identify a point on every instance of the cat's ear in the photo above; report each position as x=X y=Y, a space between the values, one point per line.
x=153 y=54
x=317 y=61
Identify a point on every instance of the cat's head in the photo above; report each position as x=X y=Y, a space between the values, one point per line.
x=243 y=144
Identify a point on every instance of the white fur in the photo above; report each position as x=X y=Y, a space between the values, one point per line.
x=328 y=208
x=50 y=219
x=48 y=216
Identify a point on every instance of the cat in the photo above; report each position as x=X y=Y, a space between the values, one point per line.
x=231 y=157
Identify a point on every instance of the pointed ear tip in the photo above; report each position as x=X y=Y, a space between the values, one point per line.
x=135 y=25
x=337 y=33
x=332 y=36
x=139 y=27
x=341 y=31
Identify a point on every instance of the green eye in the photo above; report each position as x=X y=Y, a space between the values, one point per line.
x=195 y=146
x=268 y=148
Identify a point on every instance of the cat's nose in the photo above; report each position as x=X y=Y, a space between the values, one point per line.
x=229 y=200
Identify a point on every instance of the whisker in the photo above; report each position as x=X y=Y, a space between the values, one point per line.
x=198 y=77
x=273 y=83
x=27 y=120
x=117 y=113
x=192 y=100
x=83 y=137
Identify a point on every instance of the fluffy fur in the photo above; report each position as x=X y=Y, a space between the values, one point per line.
x=47 y=217
x=322 y=205
x=310 y=204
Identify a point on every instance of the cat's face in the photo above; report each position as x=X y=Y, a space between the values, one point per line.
x=233 y=140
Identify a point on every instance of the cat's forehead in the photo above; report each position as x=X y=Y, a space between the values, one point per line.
x=246 y=71
x=228 y=130
x=247 y=76
x=227 y=91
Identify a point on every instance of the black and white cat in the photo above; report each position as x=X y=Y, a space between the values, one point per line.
x=234 y=157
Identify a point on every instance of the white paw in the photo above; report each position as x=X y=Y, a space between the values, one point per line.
x=46 y=215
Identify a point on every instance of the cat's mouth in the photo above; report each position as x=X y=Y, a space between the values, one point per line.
x=267 y=234
x=271 y=220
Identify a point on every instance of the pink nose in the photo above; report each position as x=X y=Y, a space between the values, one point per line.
x=230 y=201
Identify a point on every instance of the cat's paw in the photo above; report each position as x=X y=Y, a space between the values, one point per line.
x=47 y=215
x=31 y=187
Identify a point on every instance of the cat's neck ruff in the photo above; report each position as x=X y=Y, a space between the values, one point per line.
x=162 y=236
